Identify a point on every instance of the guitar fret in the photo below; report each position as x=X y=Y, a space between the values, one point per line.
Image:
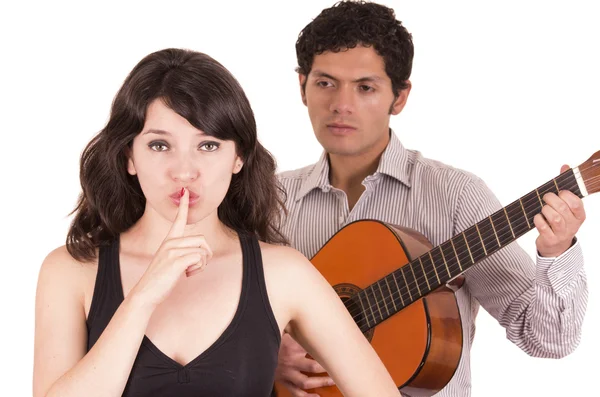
x=525 y=213
x=495 y=234
x=481 y=238
x=450 y=261
x=406 y=282
x=489 y=236
x=366 y=316
x=445 y=263
x=415 y=277
x=468 y=248
x=556 y=184
x=456 y=255
x=509 y=225
x=376 y=302
x=519 y=226
x=424 y=273
x=383 y=297
x=391 y=293
x=398 y=288
x=548 y=187
x=370 y=307
x=500 y=223
x=434 y=269
x=569 y=181
x=539 y=198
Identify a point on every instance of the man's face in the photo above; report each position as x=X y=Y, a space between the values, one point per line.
x=349 y=98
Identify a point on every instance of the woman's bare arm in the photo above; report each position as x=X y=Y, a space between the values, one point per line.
x=320 y=322
x=61 y=365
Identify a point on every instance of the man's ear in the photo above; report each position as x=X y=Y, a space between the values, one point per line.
x=400 y=101
x=302 y=81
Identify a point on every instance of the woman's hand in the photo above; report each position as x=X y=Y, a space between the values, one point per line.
x=177 y=254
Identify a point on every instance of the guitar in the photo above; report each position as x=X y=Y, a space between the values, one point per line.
x=404 y=305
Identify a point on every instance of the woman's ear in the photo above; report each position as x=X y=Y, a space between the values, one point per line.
x=238 y=165
x=130 y=165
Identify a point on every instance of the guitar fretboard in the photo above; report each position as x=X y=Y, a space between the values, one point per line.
x=453 y=257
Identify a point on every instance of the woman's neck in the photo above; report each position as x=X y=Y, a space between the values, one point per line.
x=148 y=233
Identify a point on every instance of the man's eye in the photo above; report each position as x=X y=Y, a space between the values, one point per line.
x=366 y=88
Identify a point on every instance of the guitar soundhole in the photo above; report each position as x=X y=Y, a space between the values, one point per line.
x=346 y=292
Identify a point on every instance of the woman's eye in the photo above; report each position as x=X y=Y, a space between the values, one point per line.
x=209 y=146
x=158 y=146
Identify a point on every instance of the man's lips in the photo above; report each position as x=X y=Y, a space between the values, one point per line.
x=340 y=129
x=340 y=125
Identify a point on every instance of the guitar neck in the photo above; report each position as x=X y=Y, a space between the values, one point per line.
x=453 y=257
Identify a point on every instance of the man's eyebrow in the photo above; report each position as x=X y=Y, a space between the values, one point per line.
x=372 y=78
x=318 y=73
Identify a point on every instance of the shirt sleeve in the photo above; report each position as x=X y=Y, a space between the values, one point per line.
x=541 y=305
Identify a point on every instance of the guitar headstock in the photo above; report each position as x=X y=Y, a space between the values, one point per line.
x=590 y=173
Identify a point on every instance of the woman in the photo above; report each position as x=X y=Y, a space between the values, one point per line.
x=163 y=288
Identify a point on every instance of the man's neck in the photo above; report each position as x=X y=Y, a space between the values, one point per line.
x=348 y=172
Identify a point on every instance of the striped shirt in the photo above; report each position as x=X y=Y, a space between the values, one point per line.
x=541 y=305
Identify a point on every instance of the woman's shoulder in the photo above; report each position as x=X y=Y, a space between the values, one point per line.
x=61 y=257
x=60 y=266
x=281 y=253
x=286 y=262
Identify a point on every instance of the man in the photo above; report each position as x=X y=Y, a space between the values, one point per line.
x=355 y=62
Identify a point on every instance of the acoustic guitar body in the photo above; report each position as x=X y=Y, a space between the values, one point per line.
x=420 y=345
x=394 y=283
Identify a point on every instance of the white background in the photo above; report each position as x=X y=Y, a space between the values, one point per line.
x=508 y=90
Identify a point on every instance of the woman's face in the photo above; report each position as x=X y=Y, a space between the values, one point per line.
x=170 y=154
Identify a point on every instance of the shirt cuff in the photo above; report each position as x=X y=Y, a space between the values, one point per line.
x=558 y=272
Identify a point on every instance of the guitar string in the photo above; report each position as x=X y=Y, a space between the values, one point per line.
x=466 y=259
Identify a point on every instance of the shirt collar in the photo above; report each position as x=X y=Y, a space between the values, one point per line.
x=317 y=177
x=394 y=162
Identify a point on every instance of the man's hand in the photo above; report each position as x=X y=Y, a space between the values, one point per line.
x=561 y=217
x=293 y=360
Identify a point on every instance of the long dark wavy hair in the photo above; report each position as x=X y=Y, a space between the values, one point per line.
x=348 y=24
x=201 y=90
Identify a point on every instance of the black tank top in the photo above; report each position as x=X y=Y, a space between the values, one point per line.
x=241 y=362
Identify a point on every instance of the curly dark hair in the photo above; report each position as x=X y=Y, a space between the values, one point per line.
x=204 y=92
x=348 y=24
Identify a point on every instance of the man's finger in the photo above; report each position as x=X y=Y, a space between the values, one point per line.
x=178 y=226
x=309 y=365
x=575 y=204
x=304 y=382
x=297 y=392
